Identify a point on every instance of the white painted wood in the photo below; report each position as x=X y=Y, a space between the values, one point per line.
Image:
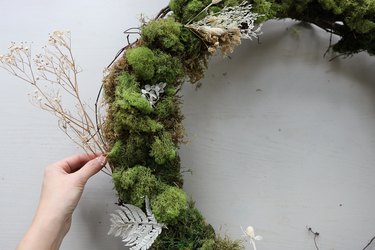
x=280 y=138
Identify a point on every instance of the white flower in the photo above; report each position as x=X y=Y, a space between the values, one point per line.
x=152 y=93
x=250 y=234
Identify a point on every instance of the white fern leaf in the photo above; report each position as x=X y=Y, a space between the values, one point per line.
x=137 y=229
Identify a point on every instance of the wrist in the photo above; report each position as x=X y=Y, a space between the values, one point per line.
x=45 y=233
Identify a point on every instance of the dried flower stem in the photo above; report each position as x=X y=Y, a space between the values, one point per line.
x=52 y=73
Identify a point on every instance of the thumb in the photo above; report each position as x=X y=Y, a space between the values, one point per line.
x=91 y=168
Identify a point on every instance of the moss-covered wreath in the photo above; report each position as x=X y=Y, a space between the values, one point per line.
x=144 y=120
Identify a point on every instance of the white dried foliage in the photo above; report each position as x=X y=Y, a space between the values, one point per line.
x=137 y=229
x=226 y=28
x=152 y=93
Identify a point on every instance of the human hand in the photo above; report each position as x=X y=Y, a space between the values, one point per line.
x=62 y=189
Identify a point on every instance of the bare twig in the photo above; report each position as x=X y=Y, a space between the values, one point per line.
x=369 y=243
x=163 y=12
x=316 y=234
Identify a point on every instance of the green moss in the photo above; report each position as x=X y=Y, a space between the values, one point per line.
x=357 y=14
x=168 y=69
x=163 y=148
x=170 y=90
x=135 y=122
x=193 y=8
x=154 y=66
x=193 y=46
x=169 y=205
x=265 y=8
x=191 y=231
x=142 y=60
x=128 y=94
x=163 y=34
x=226 y=243
x=208 y=245
x=115 y=156
x=169 y=173
x=132 y=151
x=185 y=10
x=135 y=183
x=166 y=107
x=231 y=3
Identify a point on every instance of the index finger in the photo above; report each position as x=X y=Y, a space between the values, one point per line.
x=73 y=163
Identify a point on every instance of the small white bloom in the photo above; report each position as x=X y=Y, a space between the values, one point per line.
x=250 y=234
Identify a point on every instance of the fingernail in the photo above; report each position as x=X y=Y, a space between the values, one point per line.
x=102 y=159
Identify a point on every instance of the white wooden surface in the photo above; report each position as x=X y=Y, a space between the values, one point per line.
x=280 y=138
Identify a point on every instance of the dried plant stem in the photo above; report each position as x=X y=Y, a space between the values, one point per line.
x=52 y=73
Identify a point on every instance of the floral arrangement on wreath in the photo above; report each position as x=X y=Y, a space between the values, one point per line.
x=138 y=121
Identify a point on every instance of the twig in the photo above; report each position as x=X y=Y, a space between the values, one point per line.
x=316 y=234
x=163 y=12
x=369 y=243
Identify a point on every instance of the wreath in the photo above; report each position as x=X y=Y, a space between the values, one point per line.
x=138 y=122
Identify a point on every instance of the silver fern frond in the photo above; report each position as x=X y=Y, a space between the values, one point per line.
x=137 y=229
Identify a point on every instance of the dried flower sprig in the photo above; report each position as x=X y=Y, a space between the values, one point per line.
x=152 y=93
x=54 y=73
x=250 y=235
x=225 y=29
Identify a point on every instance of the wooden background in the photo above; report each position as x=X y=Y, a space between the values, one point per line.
x=279 y=137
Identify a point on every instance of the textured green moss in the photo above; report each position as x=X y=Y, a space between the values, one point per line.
x=163 y=148
x=154 y=66
x=135 y=122
x=264 y=8
x=189 y=232
x=135 y=183
x=169 y=205
x=132 y=151
x=115 y=156
x=128 y=94
x=166 y=107
x=185 y=10
x=208 y=245
x=163 y=34
x=168 y=69
x=226 y=243
x=142 y=60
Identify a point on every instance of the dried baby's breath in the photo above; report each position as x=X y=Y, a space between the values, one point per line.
x=54 y=73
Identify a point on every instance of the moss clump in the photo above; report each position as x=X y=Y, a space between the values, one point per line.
x=163 y=149
x=186 y=10
x=166 y=107
x=154 y=66
x=135 y=122
x=208 y=245
x=169 y=205
x=134 y=184
x=132 y=151
x=190 y=231
x=226 y=243
x=115 y=156
x=163 y=34
x=142 y=61
x=128 y=94
x=264 y=8
x=168 y=69
x=358 y=15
